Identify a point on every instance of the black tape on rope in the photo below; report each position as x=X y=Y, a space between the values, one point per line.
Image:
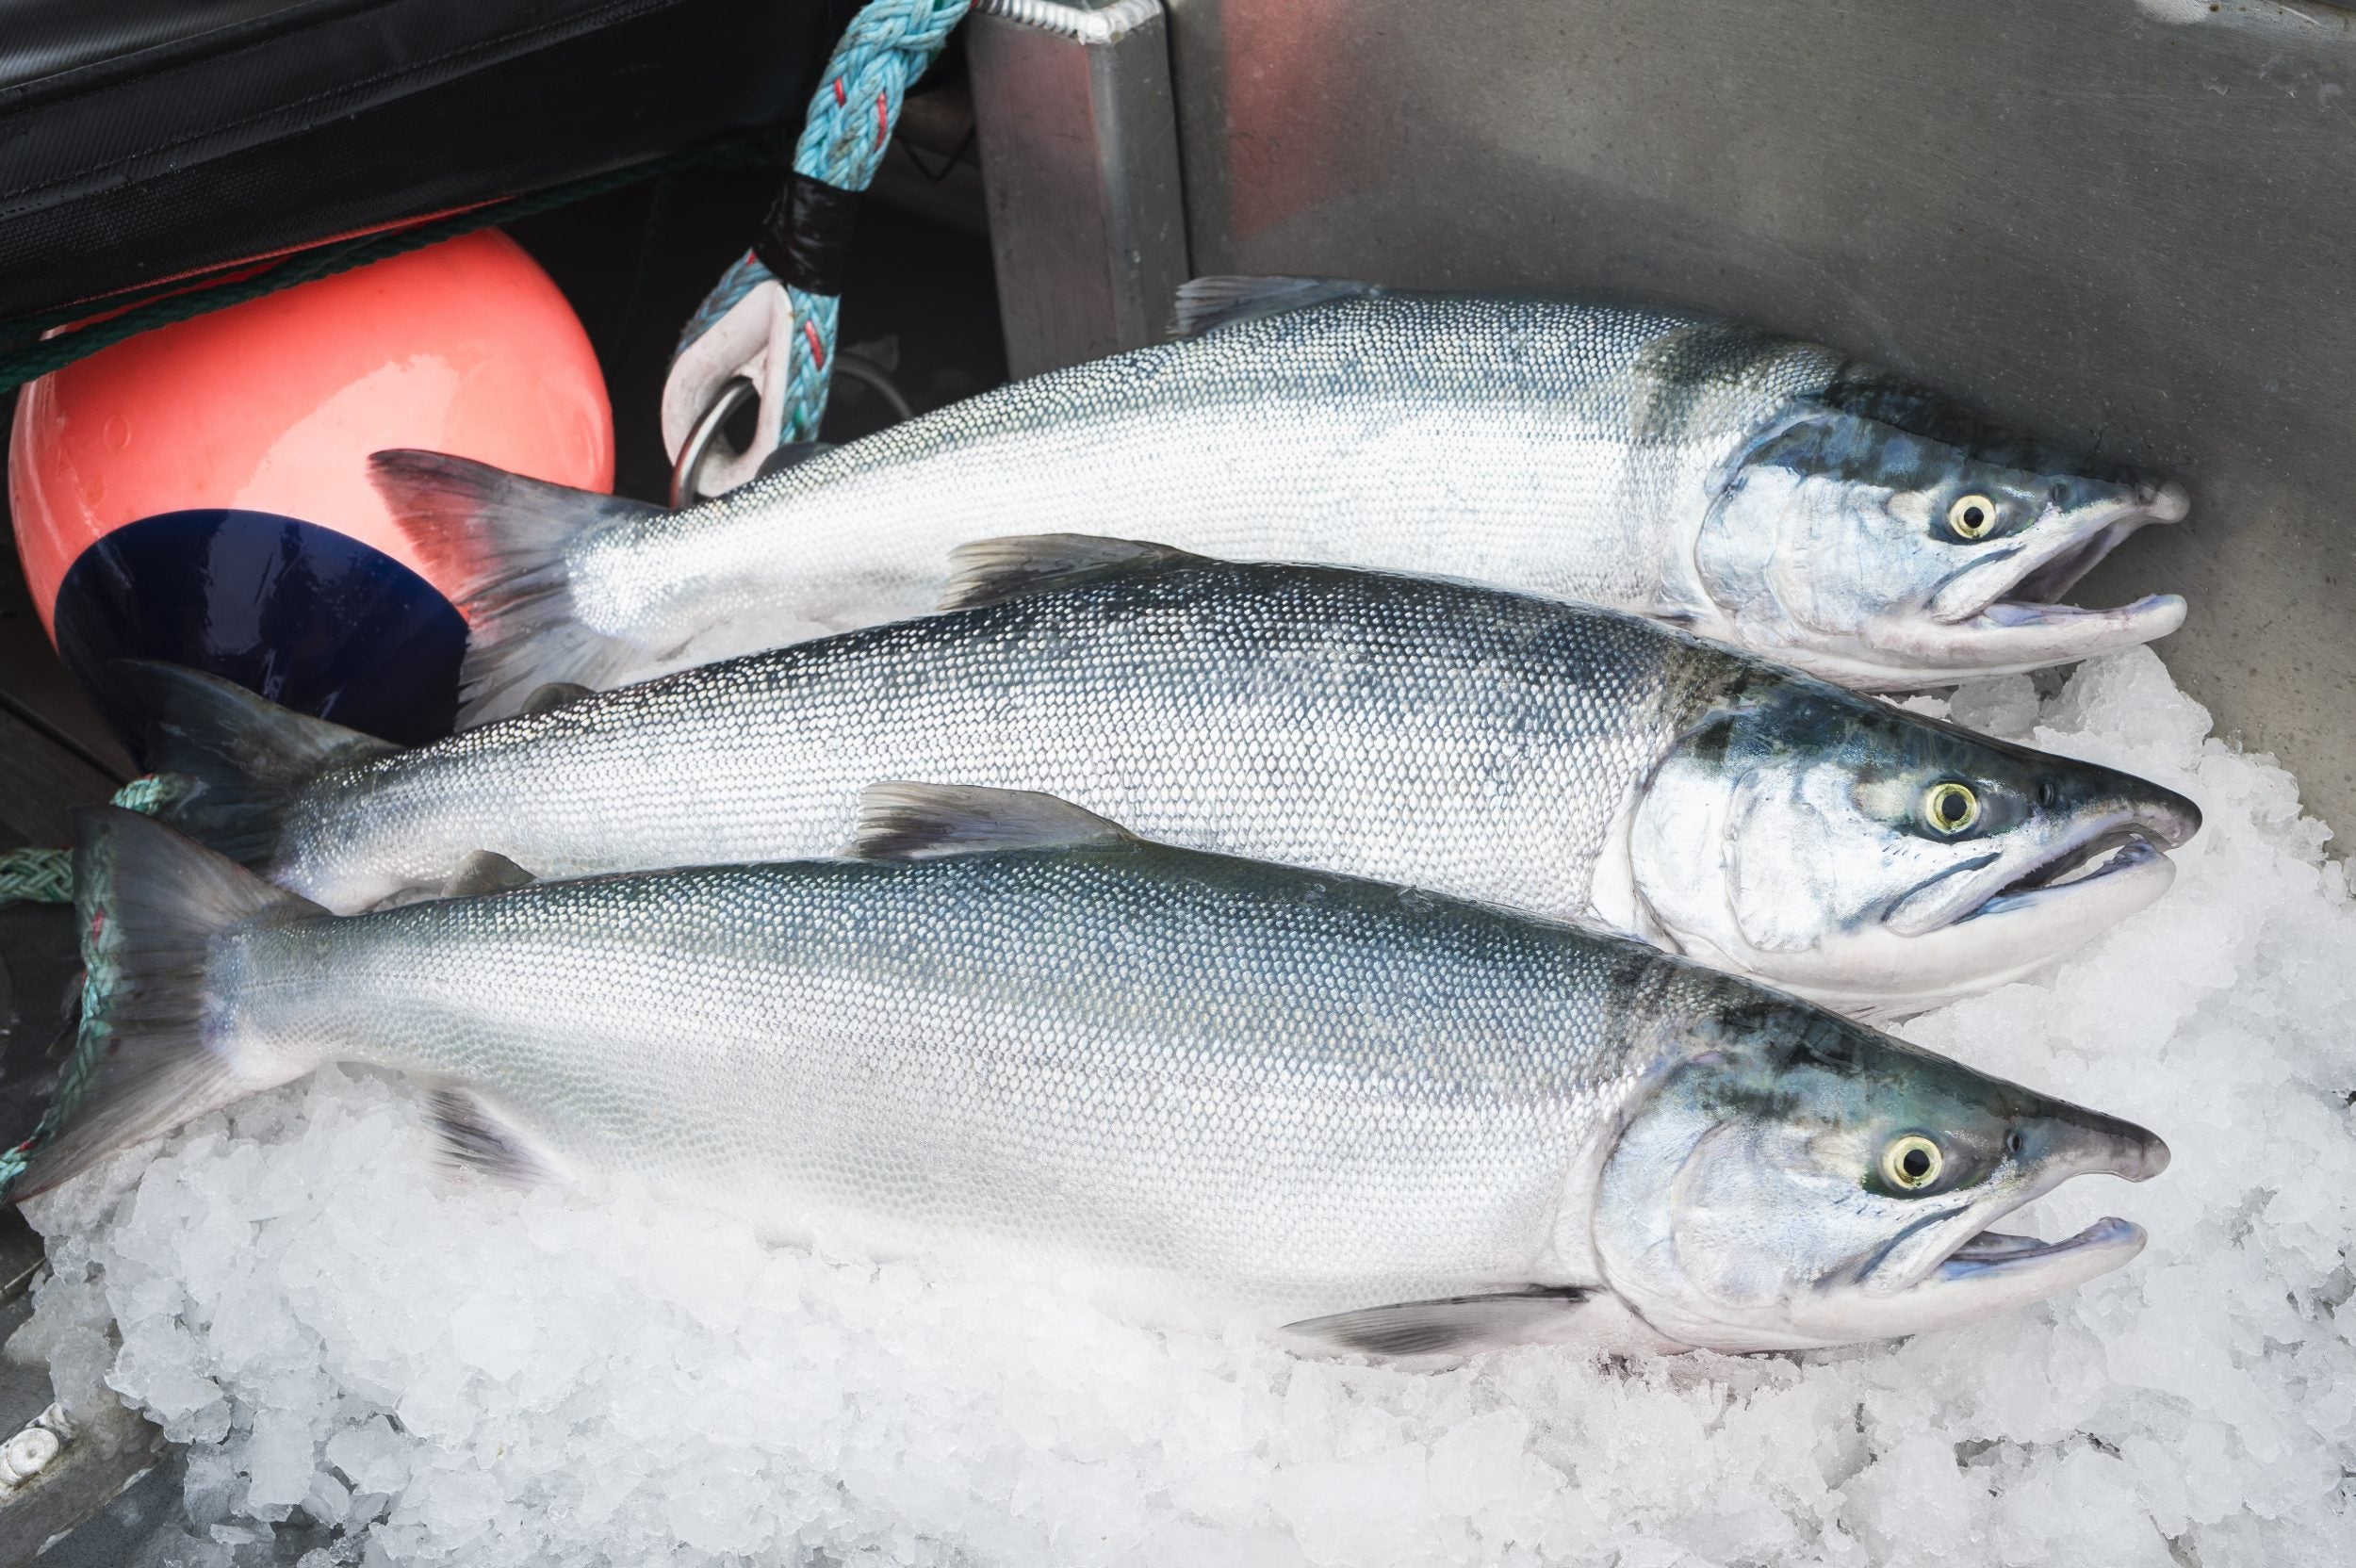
x=807 y=235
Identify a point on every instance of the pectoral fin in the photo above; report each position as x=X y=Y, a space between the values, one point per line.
x=473 y=1135
x=1450 y=1326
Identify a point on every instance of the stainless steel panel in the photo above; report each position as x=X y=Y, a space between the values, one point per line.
x=1080 y=165
x=2128 y=223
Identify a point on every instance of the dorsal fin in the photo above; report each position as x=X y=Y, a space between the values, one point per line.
x=1206 y=304
x=923 y=822
x=991 y=571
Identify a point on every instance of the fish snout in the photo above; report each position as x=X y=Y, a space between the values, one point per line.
x=2165 y=503
x=2119 y=504
x=2171 y=818
x=2088 y=1143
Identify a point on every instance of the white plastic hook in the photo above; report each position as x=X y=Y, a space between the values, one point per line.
x=749 y=342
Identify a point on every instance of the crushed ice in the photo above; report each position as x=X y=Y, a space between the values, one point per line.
x=422 y=1369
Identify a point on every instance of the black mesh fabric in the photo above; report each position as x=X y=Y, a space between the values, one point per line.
x=165 y=136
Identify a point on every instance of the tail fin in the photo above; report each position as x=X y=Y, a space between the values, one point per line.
x=496 y=543
x=151 y=1054
x=248 y=756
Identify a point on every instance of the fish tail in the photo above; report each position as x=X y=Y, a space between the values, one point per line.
x=243 y=758
x=497 y=544
x=157 y=1049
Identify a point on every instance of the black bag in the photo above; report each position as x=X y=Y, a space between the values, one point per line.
x=143 y=141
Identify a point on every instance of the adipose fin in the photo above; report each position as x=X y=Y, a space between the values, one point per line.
x=1206 y=304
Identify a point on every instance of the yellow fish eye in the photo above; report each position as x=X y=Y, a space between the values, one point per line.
x=1971 y=516
x=1951 y=808
x=1911 y=1162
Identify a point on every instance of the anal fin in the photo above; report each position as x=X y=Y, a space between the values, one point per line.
x=792 y=454
x=900 y=821
x=473 y=1135
x=1450 y=1325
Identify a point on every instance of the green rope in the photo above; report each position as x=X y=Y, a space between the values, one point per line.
x=74 y=1081
x=46 y=876
x=322 y=261
x=36 y=875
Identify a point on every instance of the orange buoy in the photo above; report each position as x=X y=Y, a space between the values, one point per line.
x=200 y=493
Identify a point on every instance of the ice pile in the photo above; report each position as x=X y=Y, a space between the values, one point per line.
x=380 y=1365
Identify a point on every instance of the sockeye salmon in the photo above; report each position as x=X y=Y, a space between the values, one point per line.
x=1759 y=491
x=1559 y=758
x=1196 y=1088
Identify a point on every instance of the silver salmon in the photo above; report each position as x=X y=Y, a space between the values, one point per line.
x=1556 y=758
x=1764 y=491
x=1196 y=1088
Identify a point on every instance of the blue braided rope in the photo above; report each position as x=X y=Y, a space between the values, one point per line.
x=888 y=45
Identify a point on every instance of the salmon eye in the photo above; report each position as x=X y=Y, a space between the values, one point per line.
x=1911 y=1162
x=1971 y=516
x=1951 y=808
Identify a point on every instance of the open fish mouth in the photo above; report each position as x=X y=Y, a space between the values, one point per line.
x=1958 y=1256
x=2111 y=866
x=2021 y=593
x=1994 y=1253
x=2000 y=613
x=2118 y=852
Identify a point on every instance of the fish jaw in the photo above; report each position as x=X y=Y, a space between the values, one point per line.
x=2003 y=613
x=2008 y=637
x=1956 y=1269
x=2010 y=919
x=1986 y=1273
x=1880 y=975
x=1959 y=1268
x=1746 y=1206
